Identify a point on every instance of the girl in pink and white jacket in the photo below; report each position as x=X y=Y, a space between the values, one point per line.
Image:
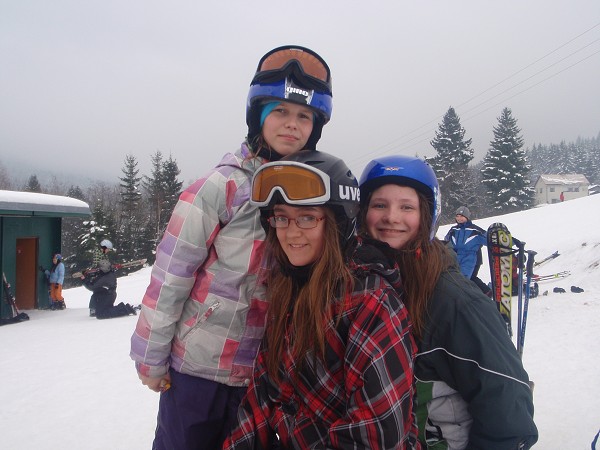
x=203 y=315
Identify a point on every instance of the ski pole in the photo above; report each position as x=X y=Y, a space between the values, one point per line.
x=520 y=267
x=530 y=257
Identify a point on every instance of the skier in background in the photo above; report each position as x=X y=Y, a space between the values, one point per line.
x=104 y=293
x=56 y=277
x=466 y=239
x=102 y=253
x=99 y=254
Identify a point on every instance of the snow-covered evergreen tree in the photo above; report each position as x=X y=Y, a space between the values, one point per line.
x=172 y=190
x=505 y=169
x=148 y=242
x=162 y=190
x=99 y=227
x=74 y=256
x=451 y=164
x=33 y=185
x=5 y=180
x=130 y=226
x=154 y=188
x=592 y=147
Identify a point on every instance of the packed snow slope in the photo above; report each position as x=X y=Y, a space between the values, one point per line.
x=68 y=382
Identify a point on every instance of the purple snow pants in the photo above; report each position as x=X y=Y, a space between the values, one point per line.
x=195 y=413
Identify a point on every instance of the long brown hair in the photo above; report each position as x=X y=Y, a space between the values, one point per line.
x=304 y=309
x=421 y=262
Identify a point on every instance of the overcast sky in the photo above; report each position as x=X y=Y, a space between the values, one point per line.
x=83 y=83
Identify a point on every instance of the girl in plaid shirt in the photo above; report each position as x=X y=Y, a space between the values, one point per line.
x=335 y=370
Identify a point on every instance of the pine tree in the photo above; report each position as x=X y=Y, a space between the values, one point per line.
x=74 y=256
x=451 y=164
x=172 y=190
x=96 y=229
x=148 y=242
x=33 y=185
x=130 y=228
x=5 y=181
x=593 y=161
x=505 y=168
x=154 y=188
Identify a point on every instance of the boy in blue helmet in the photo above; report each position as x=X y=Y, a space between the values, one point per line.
x=472 y=389
x=203 y=316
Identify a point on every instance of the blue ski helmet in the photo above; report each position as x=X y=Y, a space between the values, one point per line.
x=293 y=74
x=403 y=171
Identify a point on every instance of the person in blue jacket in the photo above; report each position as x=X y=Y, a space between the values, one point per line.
x=466 y=239
x=56 y=277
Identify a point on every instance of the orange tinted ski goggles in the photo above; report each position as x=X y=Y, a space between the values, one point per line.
x=299 y=184
x=283 y=60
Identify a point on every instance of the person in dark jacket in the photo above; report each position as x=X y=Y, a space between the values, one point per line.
x=472 y=389
x=104 y=288
x=466 y=239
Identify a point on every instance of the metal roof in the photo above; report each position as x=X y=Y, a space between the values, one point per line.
x=13 y=203
x=566 y=178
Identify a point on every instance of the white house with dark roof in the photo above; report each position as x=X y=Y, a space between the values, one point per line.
x=549 y=187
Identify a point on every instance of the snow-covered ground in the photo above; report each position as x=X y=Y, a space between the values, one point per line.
x=67 y=381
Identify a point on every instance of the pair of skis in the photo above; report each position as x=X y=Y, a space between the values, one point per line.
x=94 y=271
x=546 y=259
x=551 y=276
x=10 y=299
x=501 y=252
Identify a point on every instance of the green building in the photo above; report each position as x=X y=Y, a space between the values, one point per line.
x=30 y=233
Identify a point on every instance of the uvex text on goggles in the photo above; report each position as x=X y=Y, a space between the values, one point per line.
x=297 y=184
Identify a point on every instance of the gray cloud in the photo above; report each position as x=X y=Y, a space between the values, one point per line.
x=84 y=83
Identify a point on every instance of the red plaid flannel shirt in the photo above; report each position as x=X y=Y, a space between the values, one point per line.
x=361 y=397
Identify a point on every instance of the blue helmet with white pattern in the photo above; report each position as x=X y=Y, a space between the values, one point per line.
x=293 y=74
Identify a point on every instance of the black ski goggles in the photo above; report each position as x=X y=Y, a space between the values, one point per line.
x=298 y=184
x=307 y=65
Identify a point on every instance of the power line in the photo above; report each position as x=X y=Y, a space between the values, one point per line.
x=536 y=84
x=398 y=141
x=529 y=65
x=536 y=74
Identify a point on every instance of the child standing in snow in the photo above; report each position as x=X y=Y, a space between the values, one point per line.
x=203 y=316
x=56 y=277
